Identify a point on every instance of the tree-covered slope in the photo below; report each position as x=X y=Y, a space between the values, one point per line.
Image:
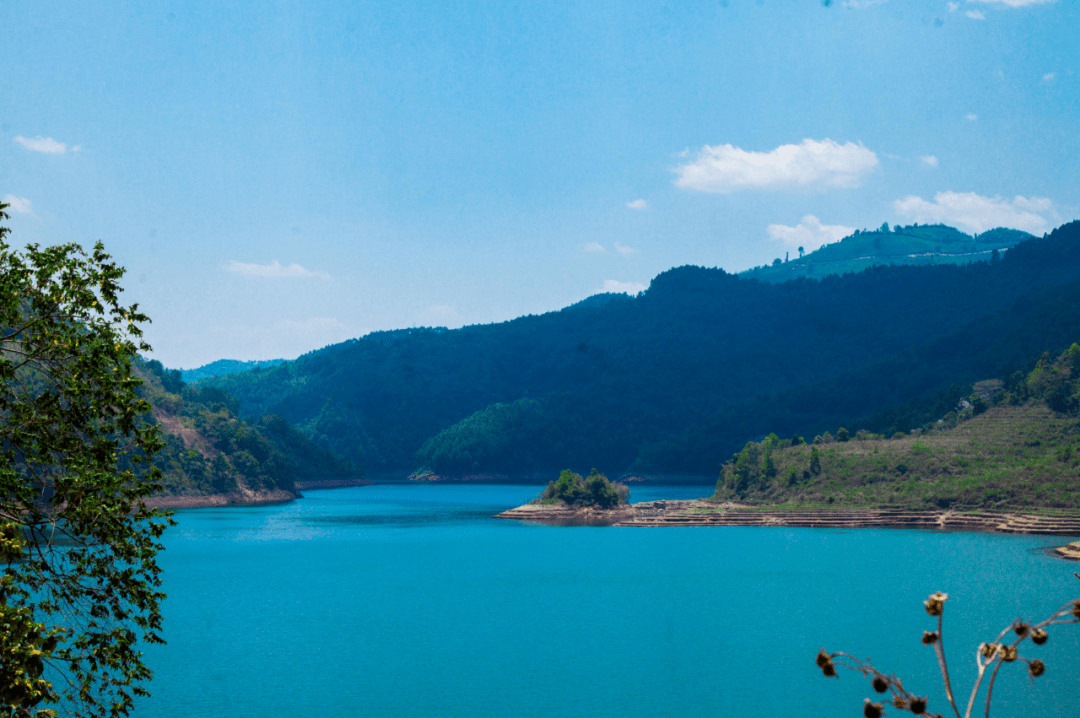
x=613 y=382
x=209 y=450
x=911 y=245
x=1015 y=445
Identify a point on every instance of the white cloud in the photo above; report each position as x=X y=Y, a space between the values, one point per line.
x=1014 y=3
x=953 y=6
x=637 y=204
x=440 y=315
x=19 y=205
x=1049 y=77
x=971 y=117
x=611 y=285
x=272 y=271
x=624 y=250
x=725 y=168
x=975 y=15
x=46 y=145
x=809 y=233
x=594 y=248
x=929 y=160
x=975 y=213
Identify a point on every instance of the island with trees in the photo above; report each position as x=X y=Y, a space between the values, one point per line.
x=573 y=500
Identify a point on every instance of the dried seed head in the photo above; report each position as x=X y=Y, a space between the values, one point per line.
x=1039 y=636
x=1036 y=668
x=880 y=684
x=988 y=650
x=1076 y=609
x=1021 y=628
x=936 y=603
x=823 y=658
x=1007 y=653
x=829 y=669
x=872 y=710
x=929 y=638
x=917 y=706
x=900 y=702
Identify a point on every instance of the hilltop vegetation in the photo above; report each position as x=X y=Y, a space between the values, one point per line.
x=679 y=377
x=1010 y=445
x=911 y=245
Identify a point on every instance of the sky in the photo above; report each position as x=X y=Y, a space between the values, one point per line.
x=281 y=176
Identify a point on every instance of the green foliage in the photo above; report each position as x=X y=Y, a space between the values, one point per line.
x=595 y=490
x=208 y=450
x=1005 y=456
x=80 y=587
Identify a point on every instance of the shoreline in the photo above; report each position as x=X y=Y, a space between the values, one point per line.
x=209 y=501
x=697 y=512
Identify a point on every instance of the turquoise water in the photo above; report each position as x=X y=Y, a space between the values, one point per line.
x=408 y=600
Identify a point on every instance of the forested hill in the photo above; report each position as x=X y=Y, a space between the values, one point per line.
x=912 y=245
x=210 y=451
x=630 y=380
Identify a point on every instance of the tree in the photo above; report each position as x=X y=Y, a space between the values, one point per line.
x=801 y=252
x=80 y=583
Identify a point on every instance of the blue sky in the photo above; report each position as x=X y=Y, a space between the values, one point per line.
x=280 y=176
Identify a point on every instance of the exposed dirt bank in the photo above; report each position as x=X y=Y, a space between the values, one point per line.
x=562 y=515
x=1070 y=551
x=706 y=513
x=241 y=498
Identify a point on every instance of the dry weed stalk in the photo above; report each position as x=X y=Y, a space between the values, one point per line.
x=994 y=654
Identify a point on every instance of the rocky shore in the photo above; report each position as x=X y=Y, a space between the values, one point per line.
x=706 y=513
x=240 y=498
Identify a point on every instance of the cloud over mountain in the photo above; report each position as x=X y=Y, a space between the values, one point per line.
x=975 y=213
x=723 y=169
x=809 y=233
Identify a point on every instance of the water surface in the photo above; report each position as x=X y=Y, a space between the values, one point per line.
x=409 y=600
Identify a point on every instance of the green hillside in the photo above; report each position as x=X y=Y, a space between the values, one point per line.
x=1013 y=445
x=912 y=245
x=209 y=450
x=675 y=379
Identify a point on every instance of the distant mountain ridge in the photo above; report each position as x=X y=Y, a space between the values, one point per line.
x=911 y=245
x=221 y=367
x=679 y=376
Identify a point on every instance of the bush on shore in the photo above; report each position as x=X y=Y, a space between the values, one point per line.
x=594 y=490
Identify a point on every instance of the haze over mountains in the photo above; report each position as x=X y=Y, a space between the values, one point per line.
x=680 y=376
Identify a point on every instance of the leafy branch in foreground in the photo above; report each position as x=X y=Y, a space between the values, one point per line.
x=993 y=654
x=79 y=587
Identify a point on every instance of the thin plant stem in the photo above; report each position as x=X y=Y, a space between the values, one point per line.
x=939 y=648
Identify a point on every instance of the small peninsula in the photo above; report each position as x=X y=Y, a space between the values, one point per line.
x=1006 y=459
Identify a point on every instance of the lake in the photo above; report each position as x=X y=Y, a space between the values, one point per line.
x=409 y=600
